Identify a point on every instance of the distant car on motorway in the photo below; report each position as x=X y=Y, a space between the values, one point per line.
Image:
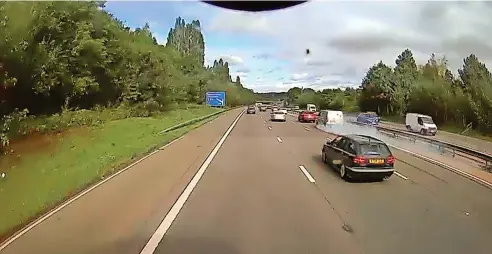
x=278 y=116
x=307 y=116
x=263 y=108
x=370 y=118
x=251 y=110
x=359 y=156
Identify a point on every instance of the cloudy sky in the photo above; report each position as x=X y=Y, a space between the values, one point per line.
x=268 y=50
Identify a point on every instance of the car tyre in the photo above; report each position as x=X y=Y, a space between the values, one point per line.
x=422 y=132
x=323 y=158
x=343 y=172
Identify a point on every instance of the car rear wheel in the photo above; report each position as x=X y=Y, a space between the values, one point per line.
x=343 y=172
x=323 y=158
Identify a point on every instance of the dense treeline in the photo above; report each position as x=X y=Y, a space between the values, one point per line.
x=56 y=56
x=335 y=99
x=431 y=89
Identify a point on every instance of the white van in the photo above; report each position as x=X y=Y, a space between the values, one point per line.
x=330 y=117
x=311 y=107
x=422 y=124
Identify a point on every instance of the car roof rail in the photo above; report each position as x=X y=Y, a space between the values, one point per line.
x=369 y=137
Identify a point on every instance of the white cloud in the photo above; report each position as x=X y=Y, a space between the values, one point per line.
x=231 y=21
x=346 y=38
x=242 y=75
x=232 y=60
x=299 y=76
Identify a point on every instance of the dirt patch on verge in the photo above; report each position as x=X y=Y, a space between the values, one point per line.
x=34 y=144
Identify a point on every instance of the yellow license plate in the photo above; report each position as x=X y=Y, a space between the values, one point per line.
x=376 y=161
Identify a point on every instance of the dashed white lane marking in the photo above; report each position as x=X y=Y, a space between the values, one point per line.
x=306 y=128
x=173 y=213
x=306 y=173
x=270 y=127
x=401 y=176
x=279 y=139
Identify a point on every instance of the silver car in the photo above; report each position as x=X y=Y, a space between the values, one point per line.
x=278 y=116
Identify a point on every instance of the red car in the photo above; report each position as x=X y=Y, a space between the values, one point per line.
x=307 y=116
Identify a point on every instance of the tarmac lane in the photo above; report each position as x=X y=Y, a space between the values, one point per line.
x=260 y=187
x=255 y=199
x=120 y=215
x=421 y=209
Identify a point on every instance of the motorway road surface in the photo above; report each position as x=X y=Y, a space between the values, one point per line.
x=254 y=198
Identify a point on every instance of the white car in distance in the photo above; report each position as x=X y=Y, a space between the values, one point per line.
x=278 y=116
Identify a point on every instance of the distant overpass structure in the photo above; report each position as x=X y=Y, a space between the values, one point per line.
x=267 y=102
x=270 y=102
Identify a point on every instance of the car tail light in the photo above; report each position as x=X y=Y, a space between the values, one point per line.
x=360 y=160
x=390 y=159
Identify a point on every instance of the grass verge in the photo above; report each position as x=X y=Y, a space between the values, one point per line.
x=37 y=181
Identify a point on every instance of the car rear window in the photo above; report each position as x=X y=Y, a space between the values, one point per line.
x=374 y=148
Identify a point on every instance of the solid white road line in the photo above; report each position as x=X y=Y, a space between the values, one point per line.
x=74 y=198
x=446 y=166
x=173 y=213
x=401 y=176
x=306 y=173
x=279 y=139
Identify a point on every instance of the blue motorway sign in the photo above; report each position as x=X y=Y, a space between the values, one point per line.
x=215 y=99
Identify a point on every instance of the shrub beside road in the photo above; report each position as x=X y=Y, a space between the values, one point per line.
x=62 y=164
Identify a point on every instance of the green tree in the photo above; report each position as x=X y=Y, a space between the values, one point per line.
x=405 y=77
x=477 y=82
x=378 y=90
x=293 y=94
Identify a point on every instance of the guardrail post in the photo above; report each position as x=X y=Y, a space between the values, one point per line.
x=454 y=152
